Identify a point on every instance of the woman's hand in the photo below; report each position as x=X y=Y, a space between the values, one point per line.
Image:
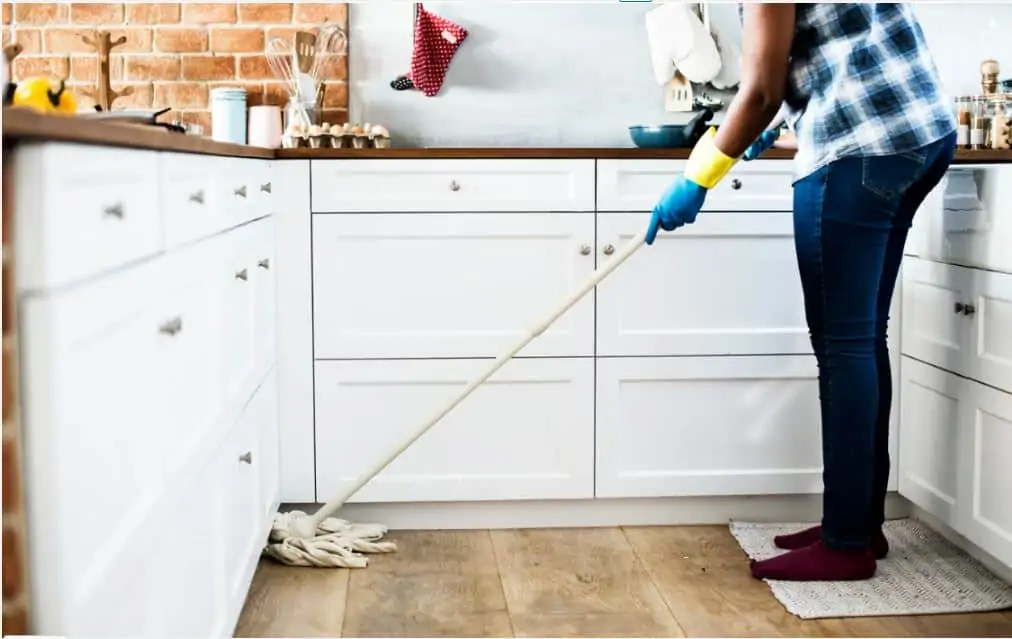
x=765 y=142
x=678 y=206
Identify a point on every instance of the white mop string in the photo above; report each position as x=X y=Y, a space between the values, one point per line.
x=627 y=251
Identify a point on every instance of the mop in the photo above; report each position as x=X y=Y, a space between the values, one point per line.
x=319 y=540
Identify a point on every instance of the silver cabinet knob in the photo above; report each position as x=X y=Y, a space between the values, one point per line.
x=242 y=275
x=172 y=326
x=454 y=186
x=197 y=197
x=241 y=191
x=736 y=184
x=266 y=188
x=264 y=264
x=246 y=458
x=609 y=249
x=116 y=210
x=585 y=249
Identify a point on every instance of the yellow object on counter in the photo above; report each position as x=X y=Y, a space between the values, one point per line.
x=707 y=164
x=46 y=95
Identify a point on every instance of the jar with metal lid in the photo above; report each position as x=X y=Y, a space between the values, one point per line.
x=964 y=114
x=228 y=115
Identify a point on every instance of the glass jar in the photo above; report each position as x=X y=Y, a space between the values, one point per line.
x=963 y=116
x=980 y=125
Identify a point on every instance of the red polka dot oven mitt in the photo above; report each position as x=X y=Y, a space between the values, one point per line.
x=436 y=41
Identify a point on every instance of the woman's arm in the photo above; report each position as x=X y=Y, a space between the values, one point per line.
x=767 y=34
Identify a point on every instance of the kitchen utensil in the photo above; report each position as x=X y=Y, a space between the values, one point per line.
x=330 y=42
x=678 y=94
x=299 y=539
x=671 y=136
x=132 y=116
x=265 y=126
x=280 y=57
x=305 y=55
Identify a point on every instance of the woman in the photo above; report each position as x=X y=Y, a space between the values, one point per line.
x=874 y=135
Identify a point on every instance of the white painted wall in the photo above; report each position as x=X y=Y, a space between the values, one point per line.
x=576 y=73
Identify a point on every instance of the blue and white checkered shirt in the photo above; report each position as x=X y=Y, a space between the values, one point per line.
x=861 y=83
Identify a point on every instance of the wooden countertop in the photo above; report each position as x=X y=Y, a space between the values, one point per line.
x=23 y=124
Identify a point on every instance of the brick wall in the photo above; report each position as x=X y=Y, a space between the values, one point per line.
x=15 y=584
x=175 y=52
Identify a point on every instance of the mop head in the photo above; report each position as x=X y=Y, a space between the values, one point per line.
x=335 y=543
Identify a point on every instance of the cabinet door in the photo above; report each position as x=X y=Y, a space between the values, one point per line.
x=262 y=275
x=236 y=275
x=239 y=464
x=727 y=284
x=266 y=409
x=931 y=440
x=707 y=426
x=935 y=326
x=990 y=319
x=526 y=433
x=984 y=466
x=449 y=285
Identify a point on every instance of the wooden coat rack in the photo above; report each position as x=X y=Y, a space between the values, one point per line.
x=104 y=95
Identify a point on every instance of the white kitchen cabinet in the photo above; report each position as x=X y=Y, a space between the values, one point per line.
x=727 y=284
x=691 y=426
x=635 y=185
x=965 y=219
x=931 y=440
x=452 y=185
x=449 y=285
x=959 y=320
x=956 y=437
x=527 y=433
x=189 y=197
x=139 y=366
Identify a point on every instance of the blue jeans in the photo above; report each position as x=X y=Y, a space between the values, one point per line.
x=851 y=220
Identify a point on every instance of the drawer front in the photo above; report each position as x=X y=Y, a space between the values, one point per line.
x=636 y=185
x=347 y=186
x=237 y=275
x=677 y=426
x=238 y=187
x=451 y=285
x=92 y=210
x=190 y=197
x=727 y=284
x=991 y=329
x=966 y=219
x=528 y=432
x=262 y=275
x=936 y=328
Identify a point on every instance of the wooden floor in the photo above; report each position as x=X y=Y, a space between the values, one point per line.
x=651 y=582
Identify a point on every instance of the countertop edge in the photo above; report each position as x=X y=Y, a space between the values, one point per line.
x=20 y=124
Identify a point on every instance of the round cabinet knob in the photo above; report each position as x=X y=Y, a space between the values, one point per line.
x=116 y=210
x=246 y=458
x=585 y=249
x=242 y=275
x=609 y=249
x=454 y=186
x=736 y=184
x=958 y=308
x=241 y=191
x=197 y=197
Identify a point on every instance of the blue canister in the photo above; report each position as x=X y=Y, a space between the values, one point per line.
x=228 y=115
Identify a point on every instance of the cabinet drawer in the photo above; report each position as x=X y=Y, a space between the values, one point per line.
x=687 y=426
x=340 y=186
x=449 y=285
x=527 y=433
x=727 y=284
x=262 y=275
x=190 y=197
x=635 y=185
x=967 y=219
x=83 y=210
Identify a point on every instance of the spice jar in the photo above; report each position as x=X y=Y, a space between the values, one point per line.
x=1001 y=123
x=963 y=117
x=980 y=124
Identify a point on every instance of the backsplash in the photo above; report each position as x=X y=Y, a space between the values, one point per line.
x=175 y=52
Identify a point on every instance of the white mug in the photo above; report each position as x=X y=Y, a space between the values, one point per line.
x=265 y=126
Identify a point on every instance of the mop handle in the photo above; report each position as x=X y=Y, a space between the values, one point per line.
x=330 y=507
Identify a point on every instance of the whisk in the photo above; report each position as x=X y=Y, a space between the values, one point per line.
x=330 y=41
x=279 y=56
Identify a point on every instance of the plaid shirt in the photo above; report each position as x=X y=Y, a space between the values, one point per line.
x=861 y=83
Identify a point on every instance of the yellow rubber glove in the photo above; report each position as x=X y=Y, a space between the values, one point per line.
x=707 y=164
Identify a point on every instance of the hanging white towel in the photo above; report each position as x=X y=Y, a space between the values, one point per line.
x=679 y=40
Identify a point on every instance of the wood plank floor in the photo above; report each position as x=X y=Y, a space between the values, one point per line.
x=615 y=582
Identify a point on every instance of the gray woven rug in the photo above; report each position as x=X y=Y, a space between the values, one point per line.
x=923 y=574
